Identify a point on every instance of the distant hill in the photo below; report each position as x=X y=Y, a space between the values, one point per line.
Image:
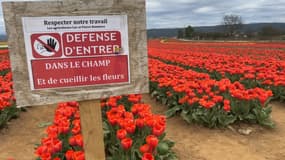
x=172 y=32
x=252 y=27
x=3 y=37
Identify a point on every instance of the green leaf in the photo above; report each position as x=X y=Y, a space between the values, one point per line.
x=229 y=120
x=282 y=97
x=244 y=108
x=267 y=101
x=172 y=111
x=195 y=116
x=268 y=110
x=205 y=119
x=37 y=145
x=44 y=124
x=161 y=137
x=250 y=117
x=106 y=126
x=186 y=117
x=234 y=108
x=164 y=101
x=169 y=143
x=268 y=123
x=263 y=115
x=153 y=94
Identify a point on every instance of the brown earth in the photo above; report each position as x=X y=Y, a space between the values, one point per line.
x=20 y=138
x=193 y=142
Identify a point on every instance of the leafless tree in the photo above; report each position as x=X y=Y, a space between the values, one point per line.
x=232 y=24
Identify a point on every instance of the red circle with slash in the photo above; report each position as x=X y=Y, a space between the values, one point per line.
x=46 y=45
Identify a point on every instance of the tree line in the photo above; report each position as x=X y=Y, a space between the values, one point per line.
x=232 y=26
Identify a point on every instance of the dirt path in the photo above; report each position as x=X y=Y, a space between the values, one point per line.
x=19 y=140
x=193 y=142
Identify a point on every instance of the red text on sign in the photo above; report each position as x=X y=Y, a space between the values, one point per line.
x=90 y=43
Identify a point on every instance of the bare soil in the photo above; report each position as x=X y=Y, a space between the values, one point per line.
x=193 y=142
x=19 y=140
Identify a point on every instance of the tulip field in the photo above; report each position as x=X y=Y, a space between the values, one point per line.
x=8 y=108
x=217 y=84
x=131 y=132
x=201 y=95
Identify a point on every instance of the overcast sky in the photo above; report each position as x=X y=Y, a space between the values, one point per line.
x=180 y=13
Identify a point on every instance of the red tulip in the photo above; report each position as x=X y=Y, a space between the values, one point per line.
x=147 y=156
x=121 y=134
x=144 y=148
x=126 y=143
x=152 y=140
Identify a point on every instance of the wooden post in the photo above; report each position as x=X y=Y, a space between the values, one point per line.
x=92 y=130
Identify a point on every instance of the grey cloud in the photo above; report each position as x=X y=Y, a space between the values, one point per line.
x=205 y=12
x=180 y=13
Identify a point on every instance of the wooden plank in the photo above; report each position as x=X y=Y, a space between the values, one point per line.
x=92 y=129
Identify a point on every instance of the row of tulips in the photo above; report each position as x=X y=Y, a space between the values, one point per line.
x=267 y=73
x=200 y=99
x=254 y=50
x=267 y=46
x=131 y=132
x=8 y=108
x=3 y=52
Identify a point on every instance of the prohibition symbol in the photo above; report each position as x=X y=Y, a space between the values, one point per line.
x=46 y=45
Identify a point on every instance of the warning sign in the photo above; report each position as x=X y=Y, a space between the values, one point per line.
x=76 y=51
x=91 y=43
x=46 y=45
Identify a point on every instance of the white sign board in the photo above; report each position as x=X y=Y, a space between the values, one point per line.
x=72 y=51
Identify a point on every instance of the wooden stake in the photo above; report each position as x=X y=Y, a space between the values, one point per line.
x=92 y=130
